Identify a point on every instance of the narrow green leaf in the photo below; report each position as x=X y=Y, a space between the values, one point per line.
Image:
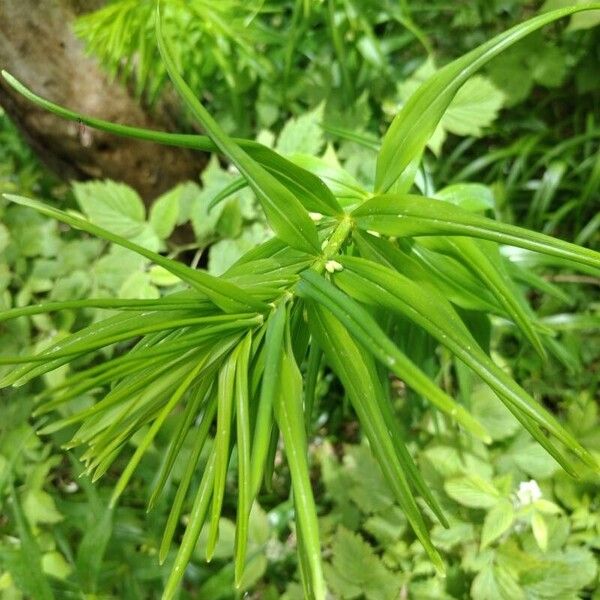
x=368 y=332
x=313 y=365
x=192 y=531
x=357 y=372
x=174 y=514
x=290 y=418
x=223 y=293
x=268 y=391
x=405 y=215
x=225 y=403
x=162 y=304
x=285 y=214
x=384 y=287
x=243 y=456
x=412 y=127
x=235 y=186
x=202 y=395
x=149 y=436
x=27 y=568
x=485 y=261
x=309 y=189
x=497 y=521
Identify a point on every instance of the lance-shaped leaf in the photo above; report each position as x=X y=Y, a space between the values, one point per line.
x=268 y=391
x=167 y=303
x=290 y=418
x=358 y=374
x=200 y=437
x=202 y=398
x=310 y=190
x=150 y=434
x=484 y=260
x=415 y=123
x=223 y=293
x=192 y=531
x=382 y=286
x=225 y=408
x=418 y=263
x=367 y=331
x=243 y=456
x=288 y=218
x=405 y=215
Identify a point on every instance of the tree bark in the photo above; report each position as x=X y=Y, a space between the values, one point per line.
x=38 y=46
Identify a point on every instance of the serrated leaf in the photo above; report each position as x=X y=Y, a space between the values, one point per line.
x=498 y=520
x=472 y=491
x=164 y=213
x=355 y=570
x=111 y=205
x=303 y=134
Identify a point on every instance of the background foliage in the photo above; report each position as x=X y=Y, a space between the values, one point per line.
x=519 y=527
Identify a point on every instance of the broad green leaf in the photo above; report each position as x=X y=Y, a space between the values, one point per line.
x=404 y=215
x=164 y=213
x=474 y=107
x=540 y=530
x=416 y=122
x=473 y=197
x=302 y=134
x=488 y=409
x=472 y=491
x=113 y=206
x=343 y=186
x=497 y=521
x=285 y=213
x=223 y=293
x=355 y=570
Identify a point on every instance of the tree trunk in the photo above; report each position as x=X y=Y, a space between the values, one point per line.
x=37 y=45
